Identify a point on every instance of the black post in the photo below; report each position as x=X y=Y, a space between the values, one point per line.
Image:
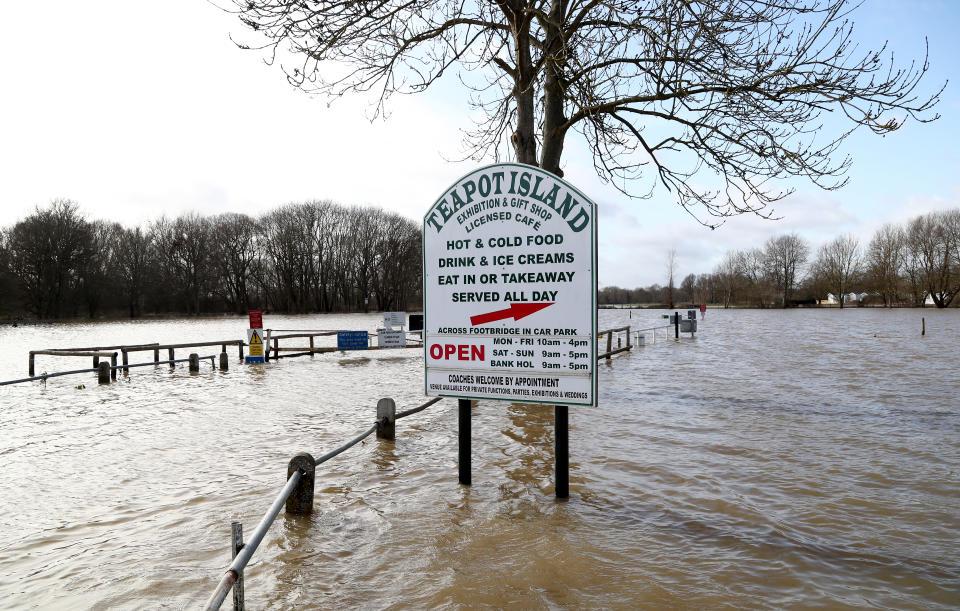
x=561 y=451
x=676 y=325
x=301 y=499
x=236 y=544
x=464 y=441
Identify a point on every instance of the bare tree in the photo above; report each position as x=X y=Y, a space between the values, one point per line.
x=838 y=264
x=236 y=238
x=885 y=261
x=134 y=264
x=671 y=272
x=727 y=279
x=730 y=88
x=932 y=260
x=46 y=250
x=785 y=257
x=183 y=247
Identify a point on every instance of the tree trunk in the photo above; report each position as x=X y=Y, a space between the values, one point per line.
x=524 y=137
x=553 y=119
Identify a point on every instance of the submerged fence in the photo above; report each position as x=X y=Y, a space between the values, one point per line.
x=297 y=497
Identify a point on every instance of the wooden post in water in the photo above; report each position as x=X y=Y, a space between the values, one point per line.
x=609 y=344
x=676 y=325
x=113 y=366
x=561 y=452
x=194 y=362
x=387 y=417
x=30 y=368
x=236 y=544
x=301 y=499
x=463 y=446
x=103 y=373
x=923 y=330
x=224 y=360
x=126 y=361
x=171 y=357
x=628 y=336
x=96 y=362
x=156 y=355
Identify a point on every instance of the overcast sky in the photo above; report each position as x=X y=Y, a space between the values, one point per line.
x=136 y=109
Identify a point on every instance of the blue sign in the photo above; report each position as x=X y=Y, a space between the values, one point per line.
x=352 y=340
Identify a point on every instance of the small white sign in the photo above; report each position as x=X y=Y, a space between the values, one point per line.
x=394 y=319
x=388 y=338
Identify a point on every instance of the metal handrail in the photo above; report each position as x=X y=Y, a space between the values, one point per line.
x=113 y=367
x=236 y=567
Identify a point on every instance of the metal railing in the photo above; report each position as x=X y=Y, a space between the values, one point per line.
x=112 y=368
x=300 y=469
x=610 y=334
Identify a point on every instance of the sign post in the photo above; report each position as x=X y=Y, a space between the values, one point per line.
x=509 y=291
x=255 y=337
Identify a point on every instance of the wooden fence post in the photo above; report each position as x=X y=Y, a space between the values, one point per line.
x=126 y=361
x=236 y=544
x=194 y=362
x=301 y=499
x=171 y=357
x=113 y=366
x=30 y=369
x=156 y=355
x=224 y=360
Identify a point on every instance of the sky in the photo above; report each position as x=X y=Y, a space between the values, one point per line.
x=137 y=109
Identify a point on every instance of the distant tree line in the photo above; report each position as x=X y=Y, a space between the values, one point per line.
x=903 y=265
x=315 y=256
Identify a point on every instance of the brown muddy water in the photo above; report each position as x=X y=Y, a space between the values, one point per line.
x=780 y=459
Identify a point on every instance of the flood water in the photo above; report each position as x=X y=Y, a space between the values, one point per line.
x=780 y=459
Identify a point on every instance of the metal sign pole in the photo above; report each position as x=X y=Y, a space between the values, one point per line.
x=464 y=441
x=561 y=451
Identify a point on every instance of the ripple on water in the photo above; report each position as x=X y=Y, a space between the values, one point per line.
x=779 y=459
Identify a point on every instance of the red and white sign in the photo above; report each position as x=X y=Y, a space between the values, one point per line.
x=509 y=289
x=256 y=319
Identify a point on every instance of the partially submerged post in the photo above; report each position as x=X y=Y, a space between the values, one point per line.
x=463 y=447
x=236 y=544
x=194 y=362
x=301 y=499
x=170 y=357
x=387 y=419
x=113 y=366
x=561 y=451
x=224 y=360
x=103 y=373
x=126 y=361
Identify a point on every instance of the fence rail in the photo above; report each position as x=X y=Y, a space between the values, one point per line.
x=112 y=368
x=297 y=495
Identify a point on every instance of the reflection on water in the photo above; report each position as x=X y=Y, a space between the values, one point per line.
x=779 y=459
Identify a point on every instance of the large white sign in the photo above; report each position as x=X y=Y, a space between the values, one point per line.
x=509 y=285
